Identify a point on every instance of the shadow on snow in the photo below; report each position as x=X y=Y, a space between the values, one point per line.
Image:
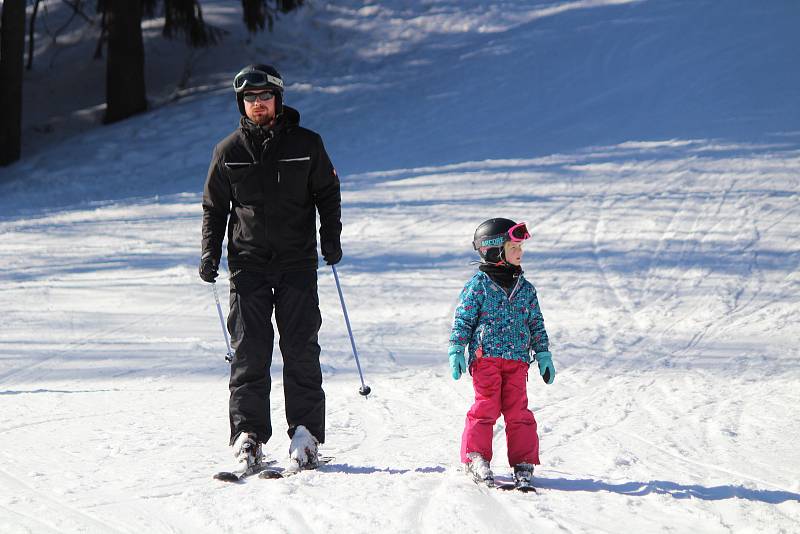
x=663 y=487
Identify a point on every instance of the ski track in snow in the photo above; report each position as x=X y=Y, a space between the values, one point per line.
x=649 y=415
x=666 y=265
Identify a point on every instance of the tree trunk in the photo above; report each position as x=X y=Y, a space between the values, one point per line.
x=125 y=89
x=12 y=61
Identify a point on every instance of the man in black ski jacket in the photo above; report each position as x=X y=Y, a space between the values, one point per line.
x=265 y=182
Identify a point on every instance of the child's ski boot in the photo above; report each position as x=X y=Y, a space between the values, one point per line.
x=523 y=477
x=478 y=468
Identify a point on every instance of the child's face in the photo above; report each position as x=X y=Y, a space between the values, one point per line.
x=513 y=252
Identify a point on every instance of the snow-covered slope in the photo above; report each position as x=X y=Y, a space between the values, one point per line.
x=652 y=146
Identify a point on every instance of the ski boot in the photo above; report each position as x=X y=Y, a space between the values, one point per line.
x=249 y=459
x=478 y=468
x=303 y=450
x=247 y=452
x=523 y=477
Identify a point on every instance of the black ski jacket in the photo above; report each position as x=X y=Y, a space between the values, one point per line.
x=269 y=183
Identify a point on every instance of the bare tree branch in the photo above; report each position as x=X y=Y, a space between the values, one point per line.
x=76 y=7
x=32 y=23
x=98 y=51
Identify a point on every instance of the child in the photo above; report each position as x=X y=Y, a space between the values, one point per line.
x=499 y=322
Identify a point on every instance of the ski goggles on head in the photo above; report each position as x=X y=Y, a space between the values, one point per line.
x=517 y=233
x=255 y=78
x=264 y=97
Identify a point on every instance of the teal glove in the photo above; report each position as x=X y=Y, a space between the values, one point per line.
x=546 y=369
x=458 y=365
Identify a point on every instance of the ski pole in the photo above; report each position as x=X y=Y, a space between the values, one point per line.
x=229 y=356
x=364 y=389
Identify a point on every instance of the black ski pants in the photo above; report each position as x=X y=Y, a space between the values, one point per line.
x=294 y=297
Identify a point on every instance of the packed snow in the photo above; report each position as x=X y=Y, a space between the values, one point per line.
x=654 y=150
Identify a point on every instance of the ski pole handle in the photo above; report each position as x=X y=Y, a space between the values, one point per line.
x=229 y=355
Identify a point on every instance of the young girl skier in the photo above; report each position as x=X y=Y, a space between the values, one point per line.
x=499 y=322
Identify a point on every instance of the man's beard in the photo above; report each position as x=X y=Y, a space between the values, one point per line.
x=263 y=119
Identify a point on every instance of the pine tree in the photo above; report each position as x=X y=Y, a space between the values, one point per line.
x=121 y=34
x=258 y=12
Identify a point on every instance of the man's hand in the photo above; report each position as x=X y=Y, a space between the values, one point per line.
x=334 y=257
x=208 y=268
x=332 y=253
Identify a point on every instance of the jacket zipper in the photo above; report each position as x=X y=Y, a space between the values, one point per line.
x=480 y=337
x=513 y=291
x=509 y=297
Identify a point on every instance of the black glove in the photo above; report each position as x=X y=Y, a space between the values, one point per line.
x=332 y=253
x=334 y=257
x=208 y=268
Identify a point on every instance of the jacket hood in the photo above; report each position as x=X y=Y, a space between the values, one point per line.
x=291 y=117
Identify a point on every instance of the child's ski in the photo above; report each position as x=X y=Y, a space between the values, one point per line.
x=238 y=476
x=523 y=478
x=524 y=487
x=280 y=472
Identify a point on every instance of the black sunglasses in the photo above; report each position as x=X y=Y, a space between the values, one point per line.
x=264 y=97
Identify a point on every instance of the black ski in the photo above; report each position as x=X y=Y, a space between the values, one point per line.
x=522 y=479
x=238 y=476
x=523 y=487
x=281 y=472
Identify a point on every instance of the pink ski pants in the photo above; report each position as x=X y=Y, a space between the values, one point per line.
x=500 y=387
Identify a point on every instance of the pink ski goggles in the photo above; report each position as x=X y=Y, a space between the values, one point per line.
x=517 y=233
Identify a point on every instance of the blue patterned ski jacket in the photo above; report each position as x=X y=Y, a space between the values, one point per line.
x=494 y=324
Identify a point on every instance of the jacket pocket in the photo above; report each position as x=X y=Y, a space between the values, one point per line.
x=246 y=183
x=293 y=178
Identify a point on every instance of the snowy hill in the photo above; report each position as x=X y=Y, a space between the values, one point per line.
x=654 y=148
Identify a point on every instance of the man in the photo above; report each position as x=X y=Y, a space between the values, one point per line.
x=265 y=181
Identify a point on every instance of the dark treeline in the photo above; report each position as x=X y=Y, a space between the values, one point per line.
x=121 y=37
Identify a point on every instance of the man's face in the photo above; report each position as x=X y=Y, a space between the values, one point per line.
x=261 y=112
